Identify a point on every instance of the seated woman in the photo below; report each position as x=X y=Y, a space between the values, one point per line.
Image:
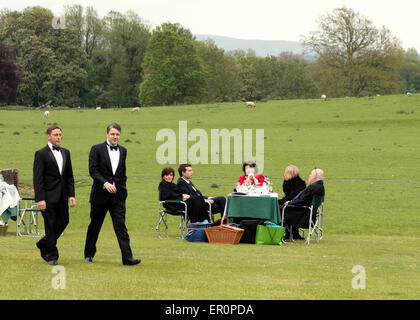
x=197 y=208
x=250 y=177
x=292 y=185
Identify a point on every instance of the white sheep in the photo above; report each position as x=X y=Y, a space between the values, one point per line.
x=324 y=97
x=135 y=109
x=408 y=93
x=98 y=108
x=250 y=104
x=46 y=114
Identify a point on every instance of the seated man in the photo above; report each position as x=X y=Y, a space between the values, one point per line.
x=186 y=186
x=298 y=217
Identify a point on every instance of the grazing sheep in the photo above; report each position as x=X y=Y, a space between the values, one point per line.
x=250 y=104
x=98 y=108
x=46 y=114
x=324 y=97
x=408 y=93
x=135 y=109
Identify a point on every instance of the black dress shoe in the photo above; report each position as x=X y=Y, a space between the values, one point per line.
x=53 y=262
x=89 y=259
x=131 y=262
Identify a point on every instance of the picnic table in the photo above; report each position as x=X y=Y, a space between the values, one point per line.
x=255 y=206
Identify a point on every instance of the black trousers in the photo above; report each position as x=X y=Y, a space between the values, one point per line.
x=116 y=208
x=197 y=208
x=219 y=205
x=297 y=217
x=56 y=219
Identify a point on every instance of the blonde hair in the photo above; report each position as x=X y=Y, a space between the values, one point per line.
x=291 y=171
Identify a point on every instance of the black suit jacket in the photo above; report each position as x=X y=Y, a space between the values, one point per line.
x=100 y=169
x=49 y=184
x=187 y=188
x=305 y=199
x=170 y=191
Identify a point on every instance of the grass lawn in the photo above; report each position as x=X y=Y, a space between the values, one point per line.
x=368 y=148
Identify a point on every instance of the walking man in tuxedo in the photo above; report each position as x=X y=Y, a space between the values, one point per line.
x=54 y=187
x=109 y=192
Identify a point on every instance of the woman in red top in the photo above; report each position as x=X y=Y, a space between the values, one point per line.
x=251 y=176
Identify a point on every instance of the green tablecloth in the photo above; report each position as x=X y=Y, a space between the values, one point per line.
x=9 y=213
x=253 y=207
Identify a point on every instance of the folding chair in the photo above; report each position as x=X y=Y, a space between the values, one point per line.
x=163 y=216
x=314 y=225
x=28 y=215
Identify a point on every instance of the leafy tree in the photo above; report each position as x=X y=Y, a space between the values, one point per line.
x=355 y=58
x=295 y=82
x=410 y=72
x=172 y=71
x=221 y=70
x=37 y=60
x=64 y=84
x=126 y=38
x=9 y=77
x=177 y=28
x=247 y=73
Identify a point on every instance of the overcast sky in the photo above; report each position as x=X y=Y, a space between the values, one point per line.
x=252 y=19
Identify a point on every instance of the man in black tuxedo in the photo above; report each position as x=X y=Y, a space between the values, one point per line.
x=186 y=186
x=109 y=192
x=54 y=187
x=297 y=217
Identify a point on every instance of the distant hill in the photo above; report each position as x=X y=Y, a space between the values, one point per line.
x=262 y=48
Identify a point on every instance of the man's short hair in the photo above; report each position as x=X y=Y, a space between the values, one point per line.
x=51 y=128
x=182 y=168
x=113 y=126
x=166 y=171
x=318 y=174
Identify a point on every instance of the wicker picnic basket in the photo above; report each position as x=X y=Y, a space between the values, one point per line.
x=224 y=234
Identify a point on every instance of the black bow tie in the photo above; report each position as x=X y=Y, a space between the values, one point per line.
x=113 y=147
x=56 y=148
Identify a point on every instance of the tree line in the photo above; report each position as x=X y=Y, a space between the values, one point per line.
x=118 y=60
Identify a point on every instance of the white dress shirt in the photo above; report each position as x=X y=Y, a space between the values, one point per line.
x=58 y=157
x=114 y=156
x=188 y=181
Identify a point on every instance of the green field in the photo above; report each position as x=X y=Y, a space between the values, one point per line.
x=368 y=148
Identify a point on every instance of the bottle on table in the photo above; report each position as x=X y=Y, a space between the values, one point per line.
x=270 y=187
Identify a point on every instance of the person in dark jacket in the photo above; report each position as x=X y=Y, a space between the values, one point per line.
x=292 y=185
x=217 y=204
x=297 y=217
x=54 y=188
x=196 y=206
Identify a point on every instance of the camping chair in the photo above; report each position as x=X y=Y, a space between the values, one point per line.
x=28 y=215
x=163 y=216
x=316 y=226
